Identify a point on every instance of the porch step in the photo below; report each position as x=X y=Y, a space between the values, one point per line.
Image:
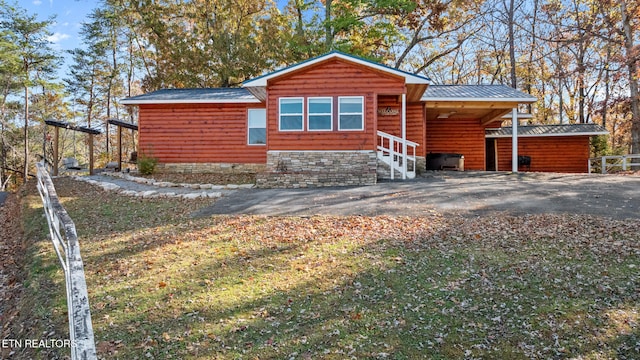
x=383 y=169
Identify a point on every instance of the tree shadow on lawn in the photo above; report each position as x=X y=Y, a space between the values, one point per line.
x=374 y=299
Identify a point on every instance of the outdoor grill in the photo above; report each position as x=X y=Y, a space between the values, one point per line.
x=445 y=161
x=524 y=161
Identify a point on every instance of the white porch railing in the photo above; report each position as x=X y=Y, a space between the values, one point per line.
x=65 y=242
x=606 y=163
x=398 y=153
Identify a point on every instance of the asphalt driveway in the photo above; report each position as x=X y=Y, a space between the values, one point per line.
x=469 y=193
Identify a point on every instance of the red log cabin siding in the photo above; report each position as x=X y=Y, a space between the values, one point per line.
x=548 y=154
x=392 y=124
x=416 y=126
x=198 y=133
x=331 y=78
x=460 y=136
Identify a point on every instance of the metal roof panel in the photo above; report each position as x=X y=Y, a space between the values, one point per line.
x=549 y=130
x=475 y=93
x=206 y=95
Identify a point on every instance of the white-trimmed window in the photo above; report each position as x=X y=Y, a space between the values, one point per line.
x=320 y=114
x=350 y=113
x=257 y=127
x=291 y=114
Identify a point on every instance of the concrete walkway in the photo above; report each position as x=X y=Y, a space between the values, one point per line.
x=149 y=188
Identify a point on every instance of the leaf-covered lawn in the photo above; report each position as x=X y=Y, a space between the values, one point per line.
x=163 y=285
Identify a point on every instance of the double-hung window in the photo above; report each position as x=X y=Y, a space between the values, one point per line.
x=320 y=113
x=291 y=114
x=351 y=113
x=257 y=127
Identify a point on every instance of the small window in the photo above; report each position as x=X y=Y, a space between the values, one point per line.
x=257 y=127
x=351 y=113
x=291 y=114
x=320 y=114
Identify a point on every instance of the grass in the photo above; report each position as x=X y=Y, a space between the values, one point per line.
x=164 y=285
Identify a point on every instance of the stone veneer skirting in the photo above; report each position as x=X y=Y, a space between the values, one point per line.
x=300 y=169
x=207 y=168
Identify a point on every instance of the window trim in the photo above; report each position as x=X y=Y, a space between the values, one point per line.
x=340 y=113
x=292 y=114
x=330 y=113
x=249 y=127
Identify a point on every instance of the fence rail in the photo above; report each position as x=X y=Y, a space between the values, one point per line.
x=606 y=163
x=63 y=235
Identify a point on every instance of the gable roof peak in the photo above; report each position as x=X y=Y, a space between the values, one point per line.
x=261 y=81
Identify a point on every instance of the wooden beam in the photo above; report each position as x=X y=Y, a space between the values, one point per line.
x=493 y=115
x=119 y=139
x=56 y=138
x=90 y=154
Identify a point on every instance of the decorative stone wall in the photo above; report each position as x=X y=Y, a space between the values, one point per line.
x=301 y=169
x=207 y=168
x=421 y=164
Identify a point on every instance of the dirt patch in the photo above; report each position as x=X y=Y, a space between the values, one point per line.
x=212 y=178
x=11 y=269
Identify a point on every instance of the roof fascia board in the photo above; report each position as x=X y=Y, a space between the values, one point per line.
x=409 y=78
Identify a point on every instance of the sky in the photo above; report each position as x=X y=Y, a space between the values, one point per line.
x=69 y=15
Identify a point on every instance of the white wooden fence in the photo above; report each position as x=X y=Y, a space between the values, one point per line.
x=613 y=162
x=65 y=242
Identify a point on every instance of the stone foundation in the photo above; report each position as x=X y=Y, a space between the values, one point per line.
x=208 y=168
x=301 y=169
x=421 y=164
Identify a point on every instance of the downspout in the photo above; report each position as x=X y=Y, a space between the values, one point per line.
x=514 y=140
x=404 y=136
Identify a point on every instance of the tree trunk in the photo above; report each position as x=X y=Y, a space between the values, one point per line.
x=632 y=68
x=26 y=133
x=328 y=28
x=512 y=46
x=607 y=89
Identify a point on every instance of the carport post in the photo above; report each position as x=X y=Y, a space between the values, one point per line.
x=514 y=140
x=56 y=139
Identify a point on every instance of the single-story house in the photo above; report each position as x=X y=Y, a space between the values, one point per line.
x=338 y=119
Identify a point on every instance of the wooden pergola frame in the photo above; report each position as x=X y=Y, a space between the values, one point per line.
x=122 y=124
x=56 y=137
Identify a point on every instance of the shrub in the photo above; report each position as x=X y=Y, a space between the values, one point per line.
x=147 y=164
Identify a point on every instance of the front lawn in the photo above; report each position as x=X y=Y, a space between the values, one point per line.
x=165 y=286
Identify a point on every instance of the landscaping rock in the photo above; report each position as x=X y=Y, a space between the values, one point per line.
x=149 y=193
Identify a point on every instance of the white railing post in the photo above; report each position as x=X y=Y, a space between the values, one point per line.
x=404 y=136
x=624 y=163
x=392 y=156
x=68 y=251
x=603 y=162
x=398 y=154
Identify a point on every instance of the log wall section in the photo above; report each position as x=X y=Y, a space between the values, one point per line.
x=332 y=78
x=415 y=121
x=460 y=136
x=565 y=154
x=198 y=133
